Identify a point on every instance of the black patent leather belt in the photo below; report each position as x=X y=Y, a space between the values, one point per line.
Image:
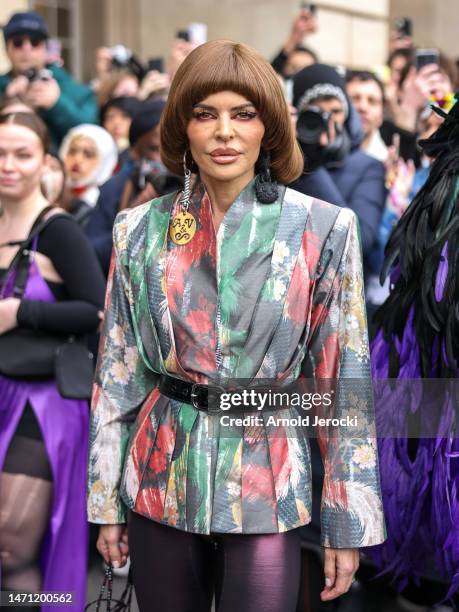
x=205 y=397
x=202 y=397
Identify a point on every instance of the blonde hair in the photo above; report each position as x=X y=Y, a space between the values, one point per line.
x=223 y=65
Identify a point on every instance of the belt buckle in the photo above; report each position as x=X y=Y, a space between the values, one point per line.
x=210 y=409
x=194 y=395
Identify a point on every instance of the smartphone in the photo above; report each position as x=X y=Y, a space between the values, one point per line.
x=404 y=27
x=426 y=56
x=309 y=6
x=155 y=63
x=197 y=33
x=183 y=35
x=53 y=51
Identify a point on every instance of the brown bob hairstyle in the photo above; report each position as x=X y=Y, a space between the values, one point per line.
x=30 y=121
x=223 y=65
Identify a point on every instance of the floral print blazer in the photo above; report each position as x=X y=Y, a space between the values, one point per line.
x=276 y=293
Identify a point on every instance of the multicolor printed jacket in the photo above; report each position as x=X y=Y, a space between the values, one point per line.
x=276 y=293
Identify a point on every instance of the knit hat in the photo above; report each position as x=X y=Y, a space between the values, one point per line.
x=28 y=23
x=316 y=81
x=146 y=119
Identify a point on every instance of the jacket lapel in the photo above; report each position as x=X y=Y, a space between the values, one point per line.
x=268 y=310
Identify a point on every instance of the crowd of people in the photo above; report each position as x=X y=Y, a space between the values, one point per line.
x=72 y=157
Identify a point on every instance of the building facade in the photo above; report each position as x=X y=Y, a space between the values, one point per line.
x=353 y=33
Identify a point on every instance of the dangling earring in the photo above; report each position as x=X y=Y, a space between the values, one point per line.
x=183 y=226
x=265 y=188
x=185 y=199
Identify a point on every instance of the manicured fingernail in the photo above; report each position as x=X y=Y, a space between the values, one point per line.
x=116 y=564
x=328 y=582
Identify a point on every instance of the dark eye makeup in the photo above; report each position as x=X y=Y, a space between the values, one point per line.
x=207 y=114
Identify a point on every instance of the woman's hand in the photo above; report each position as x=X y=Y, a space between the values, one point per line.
x=305 y=23
x=8 y=314
x=153 y=83
x=339 y=568
x=112 y=544
x=402 y=185
x=17 y=86
x=416 y=91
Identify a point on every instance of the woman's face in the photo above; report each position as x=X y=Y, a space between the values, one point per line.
x=396 y=68
x=21 y=161
x=81 y=158
x=117 y=123
x=225 y=135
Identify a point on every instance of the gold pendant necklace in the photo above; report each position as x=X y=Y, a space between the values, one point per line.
x=183 y=227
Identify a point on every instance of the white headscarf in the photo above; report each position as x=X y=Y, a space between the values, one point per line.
x=107 y=158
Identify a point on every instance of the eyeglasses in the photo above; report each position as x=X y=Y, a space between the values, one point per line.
x=18 y=41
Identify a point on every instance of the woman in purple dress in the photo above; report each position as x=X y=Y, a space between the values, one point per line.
x=43 y=437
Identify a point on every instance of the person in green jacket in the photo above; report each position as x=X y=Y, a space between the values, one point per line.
x=60 y=101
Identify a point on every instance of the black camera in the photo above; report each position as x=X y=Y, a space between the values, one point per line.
x=403 y=27
x=154 y=172
x=34 y=74
x=122 y=57
x=311 y=123
x=165 y=183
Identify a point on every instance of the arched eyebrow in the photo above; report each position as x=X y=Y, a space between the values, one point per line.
x=235 y=108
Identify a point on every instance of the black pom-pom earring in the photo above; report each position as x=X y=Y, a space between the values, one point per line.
x=265 y=188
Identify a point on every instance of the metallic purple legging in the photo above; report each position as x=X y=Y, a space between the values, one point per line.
x=177 y=571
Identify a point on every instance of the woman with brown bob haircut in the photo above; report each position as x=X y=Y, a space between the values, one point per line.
x=235 y=278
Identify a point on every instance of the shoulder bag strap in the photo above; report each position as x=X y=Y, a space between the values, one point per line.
x=22 y=260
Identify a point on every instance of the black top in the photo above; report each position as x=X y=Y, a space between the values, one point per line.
x=81 y=294
x=79 y=297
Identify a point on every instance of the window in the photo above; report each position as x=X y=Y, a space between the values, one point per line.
x=62 y=18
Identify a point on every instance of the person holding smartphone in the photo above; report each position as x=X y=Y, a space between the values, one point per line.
x=431 y=78
x=293 y=56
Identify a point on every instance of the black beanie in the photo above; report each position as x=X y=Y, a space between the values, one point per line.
x=129 y=105
x=145 y=119
x=316 y=81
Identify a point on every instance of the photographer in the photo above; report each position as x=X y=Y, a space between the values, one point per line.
x=59 y=100
x=329 y=133
x=142 y=178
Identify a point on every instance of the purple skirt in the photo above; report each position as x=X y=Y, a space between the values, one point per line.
x=64 y=426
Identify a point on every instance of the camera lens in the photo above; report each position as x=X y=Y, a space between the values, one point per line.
x=310 y=125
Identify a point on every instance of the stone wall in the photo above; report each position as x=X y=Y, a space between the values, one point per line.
x=351 y=32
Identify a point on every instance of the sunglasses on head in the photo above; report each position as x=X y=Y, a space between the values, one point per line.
x=18 y=41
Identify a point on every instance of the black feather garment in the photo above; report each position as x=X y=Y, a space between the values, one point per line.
x=427 y=233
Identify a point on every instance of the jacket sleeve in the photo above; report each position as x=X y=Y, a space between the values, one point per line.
x=367 y=201
x=319 y=184
x=76 y=104
x=279 y=61
x=122 y=382
x=101 y=221
x=338 y=355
